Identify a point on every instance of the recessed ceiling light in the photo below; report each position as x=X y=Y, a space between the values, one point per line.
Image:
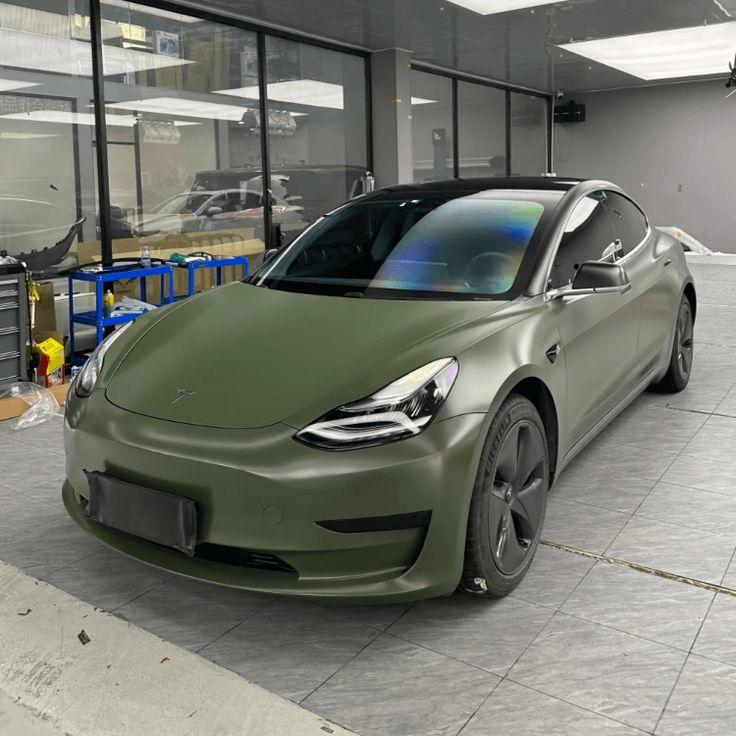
x=77 y=118
x=491 y=7
x=180 y=106
x=135 y=8
x=6 y=85
x=68 y=118
x=682 y=52
x=23 y=50
x=307 y=92
x=14 y=136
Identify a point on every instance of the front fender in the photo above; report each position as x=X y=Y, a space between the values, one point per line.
x=491 y=369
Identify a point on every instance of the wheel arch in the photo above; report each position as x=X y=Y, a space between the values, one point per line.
x=689 y=292
x=535 y=390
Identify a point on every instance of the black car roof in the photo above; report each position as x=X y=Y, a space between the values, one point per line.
x=515 y=183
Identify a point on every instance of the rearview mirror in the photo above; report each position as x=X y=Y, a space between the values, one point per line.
x=596 y=277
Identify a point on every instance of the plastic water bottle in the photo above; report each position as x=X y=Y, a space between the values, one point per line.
x=145 y=256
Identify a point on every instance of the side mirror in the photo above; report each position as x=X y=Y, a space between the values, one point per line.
x=595 y=277
x=599 y=277
x=212 y=211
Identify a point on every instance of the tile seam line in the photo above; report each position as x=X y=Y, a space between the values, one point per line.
x=687 y=488
x=651 y=490
x=576 y=705
x=379 y=632
x=702 y=412
x=303 y=700
x=684 y=664
x=694 y=582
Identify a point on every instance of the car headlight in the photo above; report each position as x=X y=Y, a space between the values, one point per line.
x=402 y=409
x=87 y=377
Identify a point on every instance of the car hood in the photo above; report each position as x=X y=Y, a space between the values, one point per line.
x=244 y=357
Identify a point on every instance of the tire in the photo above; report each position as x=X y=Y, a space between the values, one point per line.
x=681 y=357
x=508 y=495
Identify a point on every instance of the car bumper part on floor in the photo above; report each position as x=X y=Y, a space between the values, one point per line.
x=383 y=523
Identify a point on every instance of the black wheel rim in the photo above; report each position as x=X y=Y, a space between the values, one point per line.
x=684 y=341
x=518 y=496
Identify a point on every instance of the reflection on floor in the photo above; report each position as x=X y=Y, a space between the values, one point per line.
x=582 y=647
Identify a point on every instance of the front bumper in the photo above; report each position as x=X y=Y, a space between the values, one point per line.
x=261 y=493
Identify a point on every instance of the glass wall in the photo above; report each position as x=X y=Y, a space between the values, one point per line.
x=317 y=130
x=47 y=189
x=529 y=134
x=481 y=114
x=177 y=89
x=486 y=144
x=432 y=128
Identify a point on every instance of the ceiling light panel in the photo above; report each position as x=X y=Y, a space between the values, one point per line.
x=180 y=106
x=7 y=85
x=135 y=8
x=23 y=50
x=78 y=118
x=307 y=92
x=69 y=118
x=682 y=52
x=491 y=7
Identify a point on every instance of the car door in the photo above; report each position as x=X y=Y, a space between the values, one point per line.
x=645 y=264
x=599 y=332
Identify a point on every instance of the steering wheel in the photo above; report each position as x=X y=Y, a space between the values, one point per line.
x=488 y=272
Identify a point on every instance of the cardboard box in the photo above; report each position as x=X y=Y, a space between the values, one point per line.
x=45 y=316
x=12 y=407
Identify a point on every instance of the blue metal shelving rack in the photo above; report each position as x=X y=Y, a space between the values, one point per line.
x=216 y=263
x=96 y=318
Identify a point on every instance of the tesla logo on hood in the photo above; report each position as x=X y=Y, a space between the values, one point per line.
x=182 y=393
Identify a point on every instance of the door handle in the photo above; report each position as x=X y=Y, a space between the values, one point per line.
x=667 y=262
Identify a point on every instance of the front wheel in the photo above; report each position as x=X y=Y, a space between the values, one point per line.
x=509 y=500
x=681 y=357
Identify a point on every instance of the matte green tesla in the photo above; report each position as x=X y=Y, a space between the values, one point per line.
x=378 y=413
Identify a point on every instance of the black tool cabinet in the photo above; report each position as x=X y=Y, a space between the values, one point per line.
x=13 y=324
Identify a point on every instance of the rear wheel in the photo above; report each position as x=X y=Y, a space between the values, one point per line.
x=509 y=500
x=681 y=357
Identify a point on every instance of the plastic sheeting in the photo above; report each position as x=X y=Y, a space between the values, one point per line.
x=42 y=404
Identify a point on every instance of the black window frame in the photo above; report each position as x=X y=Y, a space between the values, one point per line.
x=508 y=89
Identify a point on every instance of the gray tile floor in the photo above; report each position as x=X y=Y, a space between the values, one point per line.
x=581 y=647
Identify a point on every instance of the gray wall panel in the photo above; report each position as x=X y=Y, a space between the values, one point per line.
x=671 y=146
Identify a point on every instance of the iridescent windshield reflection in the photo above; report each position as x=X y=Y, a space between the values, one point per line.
x=465 y=245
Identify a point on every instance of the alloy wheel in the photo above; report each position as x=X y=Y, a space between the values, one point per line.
x=684 y=341
x=517 y=496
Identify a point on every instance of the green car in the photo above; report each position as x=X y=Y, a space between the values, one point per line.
x=378 y=413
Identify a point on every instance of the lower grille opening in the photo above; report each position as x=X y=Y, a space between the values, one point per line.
x=241 y=557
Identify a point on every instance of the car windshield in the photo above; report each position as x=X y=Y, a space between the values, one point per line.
x=427 y=246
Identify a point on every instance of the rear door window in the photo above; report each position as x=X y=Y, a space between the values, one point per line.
x=628 y=221
x=588 y=236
